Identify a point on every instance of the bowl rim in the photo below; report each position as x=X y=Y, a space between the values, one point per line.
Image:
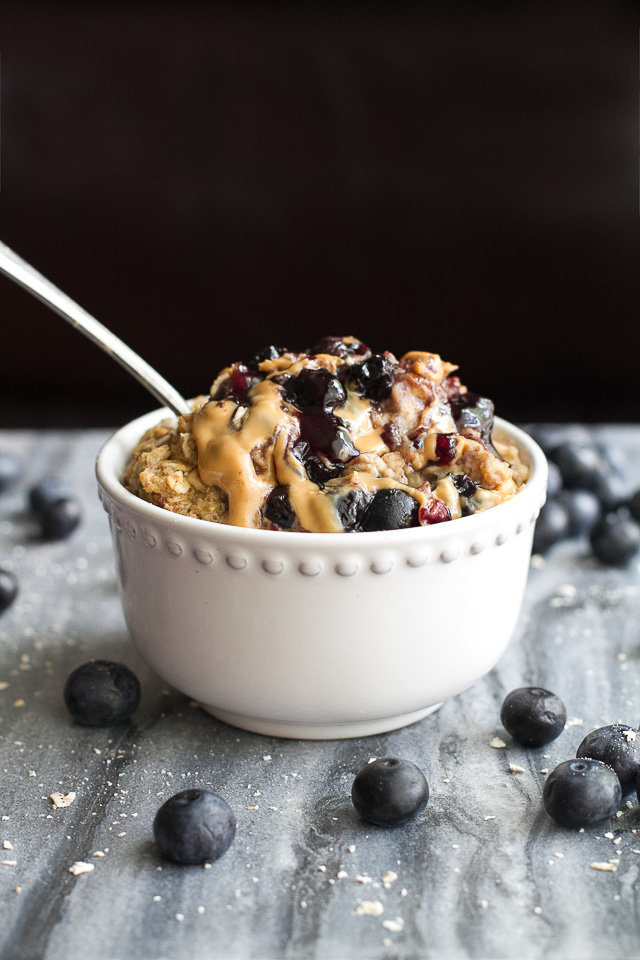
x=116 y=449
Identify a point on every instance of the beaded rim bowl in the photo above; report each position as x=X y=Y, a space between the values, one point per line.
x=319 y=635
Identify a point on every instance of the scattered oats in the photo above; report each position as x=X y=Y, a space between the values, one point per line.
x=17 y=889
x=537 y=561
x=179 y=917
x=605 y=867
x=497 y=743
x=3 y=684
x=490 y=818
x=80 y=867
x=61 y=800
x=200 y=910
x=32 y=773
x=9 y=863
x=19 y=702
x=207 y=866
x=538 y=910
x=630 y=735
x=618 y=840
x=342 y=874
x=636 y=851
x=98 y=853
x=609 y=836
x=446 y=779
x=545 y=770
x=157 y=899
x=514 y=768
x=629 y=805
x=621 y=656
x=351 y=848
x=256 y=793
x=97 y=752
x=123 y=834
x=559 y=855
x=574 y=722
x=394 y=926
x=267 y=756
x=616 y=896
x=322 y=868
x=484 y=904
x=389 y=877
x=364 y=879
x=369 y=908
x=404 y=892
x=619 y=813
x=303 y=904
x=455 y=846
x=253 y=807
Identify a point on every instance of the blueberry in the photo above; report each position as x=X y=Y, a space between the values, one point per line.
x=10 y=469
x=8 y=589
x=194 y=826
x=634 y=506
x=611 y=490
x=327 y=435
x=617 y=745
x=101 y=693
x=315 y=388
x=581 y=792
x=267 y=353
x=351 y=508
x=47 y=491
x=391 y=509
x=551 y=527
x=59 y=519
x=580 y=464
x=465 y=486
x=615 y=538
x=317 y=469
x=473 y=413
x=390 y=792
x=554 y=483
x=278 y=508
x=533 y=716
x=546 y=436
x=373 y=378
x=583 y=510
x=338 y=347
x=237 y=384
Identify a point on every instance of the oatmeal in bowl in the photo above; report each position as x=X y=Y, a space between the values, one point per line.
x=334 y=440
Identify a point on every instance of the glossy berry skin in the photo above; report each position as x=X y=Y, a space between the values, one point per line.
x=390 y=792
x=194 y=826
x=373 y=378
x=267 y=353
x=617 y=745
x=390 y=509
x=581 y=792
x=315 y=388
x=101 y=693
x=551 y=527
x=338 y=347
x=351 y=508
x=10 y=470
x=47 y=491
x=533 y=716
x=278 y=508
x=615 y=539
x=8 y=589
x=434 y=511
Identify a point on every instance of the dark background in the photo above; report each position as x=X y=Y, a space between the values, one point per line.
x=209 y=178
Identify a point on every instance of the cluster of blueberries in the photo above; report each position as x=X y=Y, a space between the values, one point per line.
x=588 y=495
x=54 y=505
x=197 y=826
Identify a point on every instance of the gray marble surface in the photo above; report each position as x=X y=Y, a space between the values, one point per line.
x=482 y=873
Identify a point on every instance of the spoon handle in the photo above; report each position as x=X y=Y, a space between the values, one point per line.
x=13 y=266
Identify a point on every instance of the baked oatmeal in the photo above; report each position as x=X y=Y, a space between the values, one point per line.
x=335 y=439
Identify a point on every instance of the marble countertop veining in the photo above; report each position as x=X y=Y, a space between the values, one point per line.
x=482 y=873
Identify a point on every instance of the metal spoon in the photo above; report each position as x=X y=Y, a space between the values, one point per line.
x=13 y=266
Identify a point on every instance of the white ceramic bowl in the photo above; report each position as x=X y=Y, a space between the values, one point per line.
x=319 y=635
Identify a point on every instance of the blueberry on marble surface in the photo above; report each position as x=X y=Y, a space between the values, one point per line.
x=194 y=826
x=47 y=491
x=551 y=527
x=583 y=510
x=533 y=716
x=615 y=539
x=101 y=693
x=390 y=792
x=580 y=464
x=390 y=509
x=554 y=481
x=8 y=589
x=617 y=745
x=581 y=792
x=58 y=520
x=10 y=470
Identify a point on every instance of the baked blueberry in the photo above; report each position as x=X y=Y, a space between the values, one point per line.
x=465 y=486
x=533 y=716
x=473 y=414
x=351 y=508
x=10 y=469
x=551 y=527
x=390 y=509
x=373 y=378
x=237 y=384
x=326 y=435
x=194 y=826
x=617 y=745
x=615 y=539
x=315 y=388
x=390 y=792
x=8 y=589
x=278 y=508
x=580 y=464
x=583 y=510
x=339 y=347
x=581 y=792
x=101 y=693
x=267 y=353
